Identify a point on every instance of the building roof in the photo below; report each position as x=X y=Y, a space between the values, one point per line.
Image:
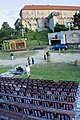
x=50 y=7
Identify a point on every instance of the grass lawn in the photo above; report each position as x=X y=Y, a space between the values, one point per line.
x=57 y=71
x=4 y=68
x=31 y=44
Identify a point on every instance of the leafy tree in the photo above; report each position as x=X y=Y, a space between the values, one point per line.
x=26 y=29
x=19 y=26
x=59 y=27
x=5 y=25
x=6 y=31
x=76 y=20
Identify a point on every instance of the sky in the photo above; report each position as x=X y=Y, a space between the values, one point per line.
x=10 y=9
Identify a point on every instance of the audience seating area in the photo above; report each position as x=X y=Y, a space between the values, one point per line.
x=33 y=99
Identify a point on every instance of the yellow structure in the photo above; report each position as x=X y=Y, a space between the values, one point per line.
x=13 y=45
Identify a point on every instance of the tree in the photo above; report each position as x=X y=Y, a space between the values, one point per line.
x=76 y=20
x=5 y=25
x=6 y=31
x=19 y=26
x=59 y=27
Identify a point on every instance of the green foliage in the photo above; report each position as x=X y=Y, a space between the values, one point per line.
x=59 y=27
x=6 y=31
x=35 y=39
x=26 y=29
x=76 y=20
x=19 y=26
x=42 y=35
x=19 y=29
x=32 y=44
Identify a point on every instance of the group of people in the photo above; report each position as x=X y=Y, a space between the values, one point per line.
x=28 y=65
x=29 y=61
x=47 y=56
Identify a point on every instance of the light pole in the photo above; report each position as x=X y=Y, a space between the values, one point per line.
x=22 y=32
x=69 y=25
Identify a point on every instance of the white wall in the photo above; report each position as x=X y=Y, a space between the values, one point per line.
x=41 y=23
x=51 y=23
x=66 y=36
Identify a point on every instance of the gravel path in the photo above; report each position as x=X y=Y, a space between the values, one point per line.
x=65 y=57
x=55 y=57
x=23 y=61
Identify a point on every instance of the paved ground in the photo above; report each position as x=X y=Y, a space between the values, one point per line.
x=55 y=57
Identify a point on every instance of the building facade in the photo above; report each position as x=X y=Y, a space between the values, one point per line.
x=64 y=37
x=36 y=17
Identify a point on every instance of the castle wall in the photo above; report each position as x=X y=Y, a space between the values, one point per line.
x=35 y=16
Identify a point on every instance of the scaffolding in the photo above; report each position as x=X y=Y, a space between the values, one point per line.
x=13 y=45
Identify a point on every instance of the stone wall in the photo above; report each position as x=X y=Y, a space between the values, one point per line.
x=72 y=36
x=62 y=17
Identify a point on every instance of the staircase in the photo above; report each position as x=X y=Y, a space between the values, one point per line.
x=77 y=108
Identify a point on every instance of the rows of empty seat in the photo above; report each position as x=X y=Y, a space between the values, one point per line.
x=53 y=97
x=68 y=88
x=41 y=112
x=38 y=102
x=42 y=99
